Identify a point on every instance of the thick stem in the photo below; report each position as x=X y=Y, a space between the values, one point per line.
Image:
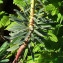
x=26 y=40
x=31 y=21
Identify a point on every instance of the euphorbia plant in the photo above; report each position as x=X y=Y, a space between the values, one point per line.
x=31 y=28
x=25 y=30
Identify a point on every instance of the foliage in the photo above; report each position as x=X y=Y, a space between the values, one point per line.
x=1 y=1
x=3 y=51
x=4 y=20
x=21 y=4
x=46 y=42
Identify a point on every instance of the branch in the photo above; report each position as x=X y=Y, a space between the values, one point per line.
x=31 y=28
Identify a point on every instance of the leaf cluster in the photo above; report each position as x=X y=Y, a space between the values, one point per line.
x=46 y=42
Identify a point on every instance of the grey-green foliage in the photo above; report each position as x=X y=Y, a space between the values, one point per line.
x=19 y=28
